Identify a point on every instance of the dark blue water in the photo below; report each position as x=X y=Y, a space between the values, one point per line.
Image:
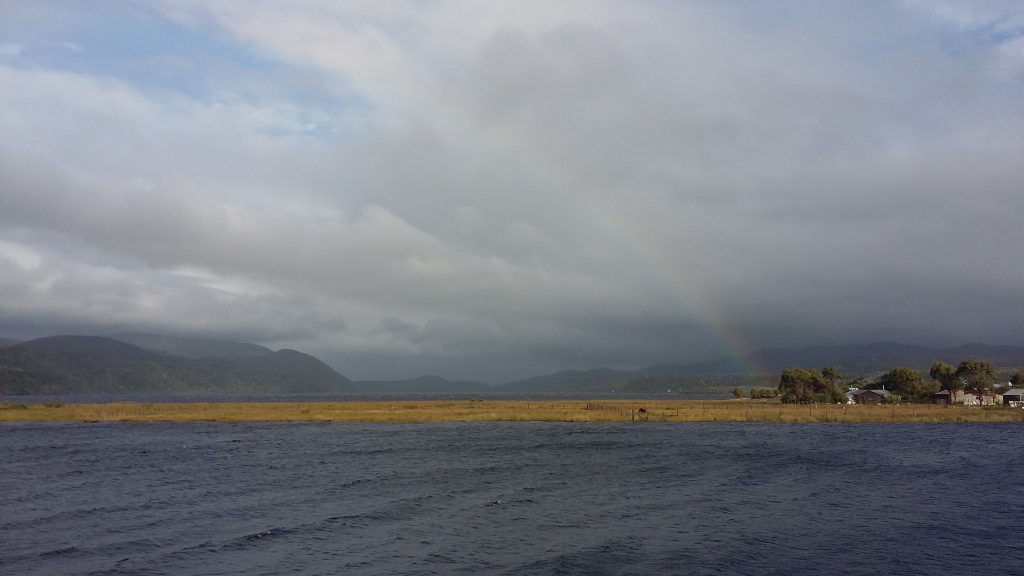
x=516 y=498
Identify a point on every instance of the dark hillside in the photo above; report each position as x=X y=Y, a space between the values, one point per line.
x=97 y=365
x=282 y=372
x=85 y=365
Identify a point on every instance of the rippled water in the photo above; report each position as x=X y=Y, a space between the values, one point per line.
x=517 y=498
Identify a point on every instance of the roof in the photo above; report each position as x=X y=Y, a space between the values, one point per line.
x=879 y=392
x=1014 y=392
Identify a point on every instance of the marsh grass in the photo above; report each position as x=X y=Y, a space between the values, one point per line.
x=477 y=411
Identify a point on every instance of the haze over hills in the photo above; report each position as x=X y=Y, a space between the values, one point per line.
x=429 y=384
x=858 y=358
x=763 y=368
x=193 y=347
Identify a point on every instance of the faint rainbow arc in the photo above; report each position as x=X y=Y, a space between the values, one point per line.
x=636 y=240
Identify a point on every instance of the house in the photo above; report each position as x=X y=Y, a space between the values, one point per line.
x=947 y=397
x=871 y=396
x=967 y=397
x=988 y=398
x=1013 y=398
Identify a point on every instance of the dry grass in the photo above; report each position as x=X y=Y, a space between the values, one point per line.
x=475 y=411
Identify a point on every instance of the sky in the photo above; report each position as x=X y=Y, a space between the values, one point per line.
x=495 y=190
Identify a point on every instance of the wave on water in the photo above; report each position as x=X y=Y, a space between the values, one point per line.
x=507 y=498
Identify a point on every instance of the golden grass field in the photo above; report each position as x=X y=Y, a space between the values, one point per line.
x=502 y=411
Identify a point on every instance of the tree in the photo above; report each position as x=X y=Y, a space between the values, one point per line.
x=801 y=385
x=832 y=376
x=1017 y=380
x=906 y=383
x=737 y=393
x=761 y=393
x=947 y=378
x=976 y=374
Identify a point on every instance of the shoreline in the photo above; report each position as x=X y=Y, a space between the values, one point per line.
x=423 y=411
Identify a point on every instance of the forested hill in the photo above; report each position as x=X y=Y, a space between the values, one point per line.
x=99 y=365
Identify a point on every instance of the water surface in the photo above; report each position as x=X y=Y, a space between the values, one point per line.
x=510 y=498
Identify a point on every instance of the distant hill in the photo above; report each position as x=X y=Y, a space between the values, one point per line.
x=725 y=373
x=193 y=347
x=8 y=342
x=595 y=380
x=422 y=385
x=607 y=380
x=98 y=365
x=854 y=359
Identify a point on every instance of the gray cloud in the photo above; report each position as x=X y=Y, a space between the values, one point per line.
x=496 y=191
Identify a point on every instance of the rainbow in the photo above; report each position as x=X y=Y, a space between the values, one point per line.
x=636 y=238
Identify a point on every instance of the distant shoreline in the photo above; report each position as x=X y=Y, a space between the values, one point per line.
x=503 y=411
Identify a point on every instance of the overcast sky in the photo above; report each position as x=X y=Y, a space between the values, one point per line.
x=497 y=189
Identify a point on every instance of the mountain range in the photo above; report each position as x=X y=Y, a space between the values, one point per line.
x=167 y=365
x=161 y=364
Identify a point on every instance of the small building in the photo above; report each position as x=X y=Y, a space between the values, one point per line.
x=871 y=396
x=1014 y=397
x=966 y=397
x=985 y=398
x=851 y=395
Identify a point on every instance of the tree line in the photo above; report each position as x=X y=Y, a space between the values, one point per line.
x=827 y=386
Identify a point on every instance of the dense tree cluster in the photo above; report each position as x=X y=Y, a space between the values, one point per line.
x=804 y=386
x=907 y=383
x=972 y=376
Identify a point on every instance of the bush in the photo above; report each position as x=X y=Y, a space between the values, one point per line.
x=892 y=399
x=759 y=393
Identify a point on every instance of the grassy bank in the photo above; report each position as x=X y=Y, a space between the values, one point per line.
x=476 y=411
